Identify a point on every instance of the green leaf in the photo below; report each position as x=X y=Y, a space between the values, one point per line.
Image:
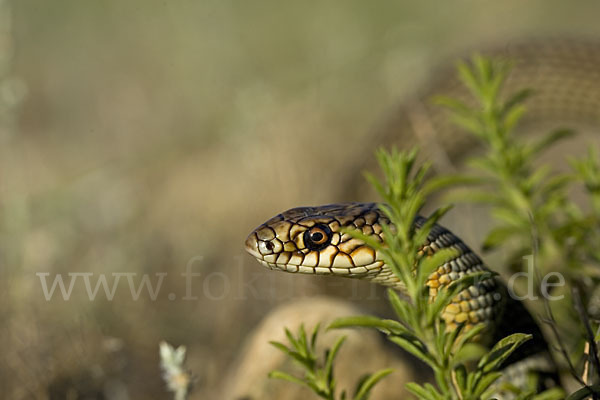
x=513 y=116
x=502 y=350
x=454 y=105
x=468 y=78
x=443 y=298
x=438 y=183
x=512 y=218
x=422 y=233
x=421 y=392
x=450 y=338
x=485 y=382
x=331 y=357
x=287 y=377
x=516 y=99
x=585 y=392
x=428 y=264
x=471 y=279
x=441 y=336
x=313 y=338
x=292 y=340
x=300 y=358
x=470 y=334
x=550 y=139
x=486 y=164
x=388 y=326
x=499 y=236
x=474 y=197
x=554 y=184
x=415 y=347
x=369 y=240
x=460 y=373
x=402 y=308
x=303 y=344
x=281 y=347
x=550 y=394
x=534 y=179
x=469 y=124
x=364 y=388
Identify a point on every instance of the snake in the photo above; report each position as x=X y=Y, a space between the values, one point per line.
x=563 y=74
x=316 y=241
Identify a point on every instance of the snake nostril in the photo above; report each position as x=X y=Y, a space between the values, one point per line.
x=269 y=246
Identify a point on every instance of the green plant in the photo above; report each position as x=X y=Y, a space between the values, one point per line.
x=419 y=328
x=530 y=202
x=523 y=197
x=534 y=215
x=318 y=374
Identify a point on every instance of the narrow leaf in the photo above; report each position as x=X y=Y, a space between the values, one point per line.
x=414 y=347
x=331 y=357
x=287 y=377
x=421 y=392
x=498 y=236
x=366 y=385
x=550 y=139
x=388 y=326
x=502 y=350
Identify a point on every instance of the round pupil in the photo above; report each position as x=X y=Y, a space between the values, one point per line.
x=316 y=236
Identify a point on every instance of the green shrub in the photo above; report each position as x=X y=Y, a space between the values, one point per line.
x=533 y=214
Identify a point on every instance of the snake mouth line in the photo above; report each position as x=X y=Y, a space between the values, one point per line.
x=303 y=269
x=254 y=253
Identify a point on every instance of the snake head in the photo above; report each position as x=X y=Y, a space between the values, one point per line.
x=315 y=240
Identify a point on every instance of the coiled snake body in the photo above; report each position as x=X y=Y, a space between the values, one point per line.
x=309 y=240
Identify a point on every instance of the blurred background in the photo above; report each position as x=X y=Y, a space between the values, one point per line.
x=150 y=137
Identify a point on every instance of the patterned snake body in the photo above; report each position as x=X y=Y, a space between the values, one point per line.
x=310 y=240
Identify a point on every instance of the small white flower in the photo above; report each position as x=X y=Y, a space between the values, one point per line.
x=177 y=378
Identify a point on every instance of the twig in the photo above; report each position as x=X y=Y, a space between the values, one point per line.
x=588 y=330
x=455 y=384
x=550 y=320
x=586 y=365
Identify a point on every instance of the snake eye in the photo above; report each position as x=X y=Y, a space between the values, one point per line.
x=317 y=237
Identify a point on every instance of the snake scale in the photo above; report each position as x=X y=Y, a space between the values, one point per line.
x=309 y=240
x=564 y=76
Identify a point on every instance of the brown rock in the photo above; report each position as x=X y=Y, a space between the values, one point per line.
x=363 y=352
